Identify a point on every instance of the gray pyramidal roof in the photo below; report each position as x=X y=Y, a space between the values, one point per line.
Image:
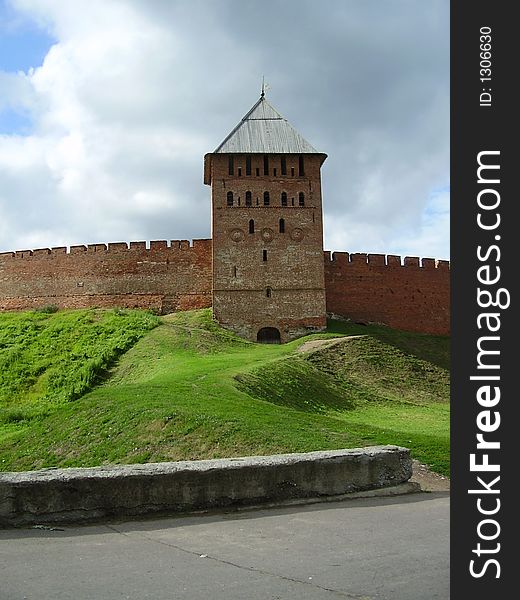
x=265 y=130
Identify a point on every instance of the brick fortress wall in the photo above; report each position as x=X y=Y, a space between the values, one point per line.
x=162 y=277
x=413 y=296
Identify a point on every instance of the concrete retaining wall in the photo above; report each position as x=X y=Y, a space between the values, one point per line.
x=75 y=495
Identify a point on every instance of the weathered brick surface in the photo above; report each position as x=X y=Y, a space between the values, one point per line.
x=163 y=277
x=362 y=287
x=284 y=289
x=409 y=296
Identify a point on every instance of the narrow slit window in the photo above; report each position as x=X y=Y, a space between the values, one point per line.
x=266 y=164
x=284 y=198
x=266 y=198
x=234 y=271
x=301 y=199
x=231 y=165
x=230 y=198
x=274 y=172
x=282 y=225
x=249 y=199
x=301 y=168
x=292 y=171
x=257 y=172
x=268 y=292
x=251 y=226
x=240 y=171
x=283 y=165
x=264 y=255
x=248 y=165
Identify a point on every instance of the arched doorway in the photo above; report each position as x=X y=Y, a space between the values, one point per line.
x=268 y=335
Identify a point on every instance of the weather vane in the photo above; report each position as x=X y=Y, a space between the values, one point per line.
x=265 y=87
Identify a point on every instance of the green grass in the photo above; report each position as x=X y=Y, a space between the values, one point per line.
x=189 y=390
x=49 y=358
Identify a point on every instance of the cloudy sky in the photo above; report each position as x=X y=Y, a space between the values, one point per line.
x=108 y=106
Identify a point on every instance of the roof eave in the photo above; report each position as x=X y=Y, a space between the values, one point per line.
x=209 y=155
x=207 y=168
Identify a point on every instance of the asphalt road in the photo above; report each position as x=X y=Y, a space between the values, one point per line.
x=393 y=548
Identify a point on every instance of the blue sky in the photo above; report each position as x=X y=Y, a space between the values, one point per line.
x=108 y=106
x=23 y=44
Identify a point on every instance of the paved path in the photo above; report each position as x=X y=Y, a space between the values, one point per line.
x=394 y=548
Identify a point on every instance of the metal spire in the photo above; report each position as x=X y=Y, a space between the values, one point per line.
x=265 y=87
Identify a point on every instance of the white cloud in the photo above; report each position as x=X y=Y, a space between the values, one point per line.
x=132 y=95
x=16 y=91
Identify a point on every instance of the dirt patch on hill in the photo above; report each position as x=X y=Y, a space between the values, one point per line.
x=313 y=345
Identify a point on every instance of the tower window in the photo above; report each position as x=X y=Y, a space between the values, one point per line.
x=274 y=172
x=268 y=292
x=266 y=198
x=284 y=198
x=264 y=255
x=231 y=165
x=292 y=171
x=240 y=171
x=251 y=226
x=301 y=199
x=283 y=165
x=301 y=170
x=248 y=165
x=230 y=198
x=248 y=199
x=257 y=172
x=282 y=225
x=234 y=271
x=266 y=164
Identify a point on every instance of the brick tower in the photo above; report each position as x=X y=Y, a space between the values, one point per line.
x=267 y=230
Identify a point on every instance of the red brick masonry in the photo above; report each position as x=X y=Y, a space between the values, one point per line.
x=414 y=296
x=166 y=277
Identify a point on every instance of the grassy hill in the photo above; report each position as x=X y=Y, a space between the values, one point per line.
x=187 y=389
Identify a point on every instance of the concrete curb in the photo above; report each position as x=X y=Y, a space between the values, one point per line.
x=93 y=494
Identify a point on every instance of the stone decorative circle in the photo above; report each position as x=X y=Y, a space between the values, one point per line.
x=237 y=235
x=267 y=234
x=297 y=234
